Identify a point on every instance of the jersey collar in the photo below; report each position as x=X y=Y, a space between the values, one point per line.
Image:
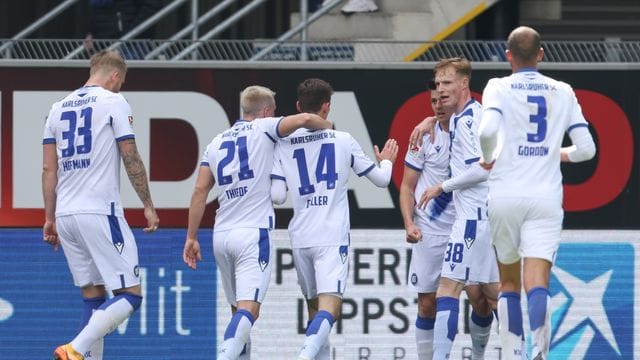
x=527 y=69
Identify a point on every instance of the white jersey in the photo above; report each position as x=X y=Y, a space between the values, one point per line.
x=537 y=111
x=241 y=159
x=86 y=126
x=316 y=167
x=470 y=203
x=432 y=161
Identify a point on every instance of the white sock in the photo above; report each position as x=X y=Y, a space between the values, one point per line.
x=446 y=326
x=89 y=307
x=480 y=328
x=236 y=335
x=510 y=325
x=246 y=351
x=424 y=337
x=104 y=320
x=325 y=351
x=317 y=334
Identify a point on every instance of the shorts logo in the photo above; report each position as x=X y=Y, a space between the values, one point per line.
x=119 y=246
x=414 y=278
x=136 y=271
x=344 y=253
x=592 y=306
x=263 y=264
x=438 y=148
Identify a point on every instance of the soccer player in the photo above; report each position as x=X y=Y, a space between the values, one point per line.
x=85 y=135
x=529 y=113
x=428 y=230
x=239 y=160
x=469 y=260
x=315 y=166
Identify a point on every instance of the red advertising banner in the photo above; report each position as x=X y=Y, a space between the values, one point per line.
x=178 y=111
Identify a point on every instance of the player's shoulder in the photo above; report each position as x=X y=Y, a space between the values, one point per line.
x=267 y=121
x=559 y=84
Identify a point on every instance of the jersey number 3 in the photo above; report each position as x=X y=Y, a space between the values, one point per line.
x=539 y=119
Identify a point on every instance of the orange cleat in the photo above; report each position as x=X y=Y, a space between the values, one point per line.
x=66 y=352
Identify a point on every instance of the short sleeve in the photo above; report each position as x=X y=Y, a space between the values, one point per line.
x=277 y=172
x=491 y=98
x=204 y=160
x=270 y=127
x=577 y=118
x=416 y=156
x=467 y=130
x=49 y=136
x=360 y=163
x=122 y=119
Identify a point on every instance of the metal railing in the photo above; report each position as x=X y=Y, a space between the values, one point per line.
x=292 y=51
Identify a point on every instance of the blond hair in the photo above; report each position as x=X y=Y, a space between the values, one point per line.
x=106 y=61
x=460 y=64
x=255 y=98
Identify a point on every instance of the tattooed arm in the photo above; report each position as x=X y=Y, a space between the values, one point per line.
x=138 y=178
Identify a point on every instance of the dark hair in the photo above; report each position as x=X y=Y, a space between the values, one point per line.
x=312 y=93
x=431 y=85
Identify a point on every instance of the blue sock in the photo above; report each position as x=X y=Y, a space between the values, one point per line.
x=510 y=329
x=538 y=308
x=446 y=326
x=89 y=305
x=317 y=334
x=236 y=335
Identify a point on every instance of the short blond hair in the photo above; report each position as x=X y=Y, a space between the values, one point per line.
x=255 y=98
x=107 y=61
x=461 y=65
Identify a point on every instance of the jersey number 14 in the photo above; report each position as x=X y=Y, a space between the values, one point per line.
x=325 y=169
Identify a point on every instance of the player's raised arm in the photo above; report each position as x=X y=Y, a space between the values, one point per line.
x=291 y=123
x=381 y=175
x=138 y=177
x=204 y=183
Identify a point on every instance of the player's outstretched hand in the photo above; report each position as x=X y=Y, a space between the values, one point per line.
x=152 y=219
x=430 y=193
x=426 y=126
x=414 y=234
x=50 y=234
x=191 y=253
x=389 y=152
